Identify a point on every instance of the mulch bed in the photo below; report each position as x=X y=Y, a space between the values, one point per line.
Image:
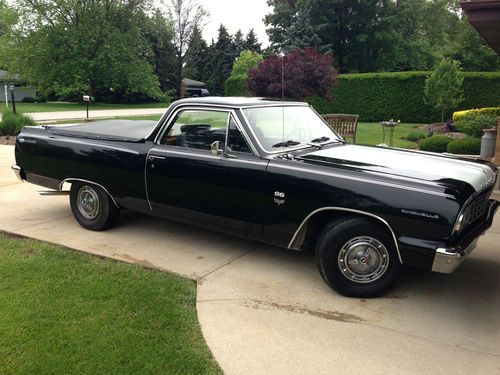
x=7 y=140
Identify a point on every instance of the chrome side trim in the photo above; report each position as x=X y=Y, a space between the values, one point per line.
x=377 y=182
x=292 y=246
x=17 y=171
x=180 y=151
x=53 y=192
x=70 y=179
x=146 y=180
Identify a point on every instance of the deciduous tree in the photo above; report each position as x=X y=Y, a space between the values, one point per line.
x=443 y=88
x=187 y=15
x=299 y=74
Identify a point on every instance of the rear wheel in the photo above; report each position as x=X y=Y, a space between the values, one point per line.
x=357 y=257
x=92 y=207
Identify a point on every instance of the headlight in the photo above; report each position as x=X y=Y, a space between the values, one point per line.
x=462 y=220
x=459 y=224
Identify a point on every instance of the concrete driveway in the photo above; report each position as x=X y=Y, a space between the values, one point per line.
x=265 y=310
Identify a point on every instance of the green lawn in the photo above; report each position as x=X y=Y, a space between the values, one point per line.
x=370 y=133
x=58 y=106
x=64 y=312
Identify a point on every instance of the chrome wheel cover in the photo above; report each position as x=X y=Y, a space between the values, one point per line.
x=363 y=259
x=87 y=201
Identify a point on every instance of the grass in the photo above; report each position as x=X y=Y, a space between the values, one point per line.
x=68 y=312
x=370 y=133
x=60 y=106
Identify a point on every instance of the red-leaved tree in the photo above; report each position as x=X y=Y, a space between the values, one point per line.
x=305 y=73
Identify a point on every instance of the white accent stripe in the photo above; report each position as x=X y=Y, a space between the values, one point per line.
x=330 y=174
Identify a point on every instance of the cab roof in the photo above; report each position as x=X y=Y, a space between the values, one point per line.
x=234 y=101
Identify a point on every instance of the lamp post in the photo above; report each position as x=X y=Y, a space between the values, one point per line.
x=12 y=88
x=6 y=96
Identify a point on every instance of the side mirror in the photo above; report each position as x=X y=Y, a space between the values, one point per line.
x=217 y=148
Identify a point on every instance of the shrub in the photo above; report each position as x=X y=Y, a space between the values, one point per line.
x=379 y=96
x=415 y=136
x=12 y=124
x=236 y=86
x=438 y=143
x=459 y=115
x=466 y=146
x=474 y=125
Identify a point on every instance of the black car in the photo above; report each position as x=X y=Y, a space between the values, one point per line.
x=273 y=172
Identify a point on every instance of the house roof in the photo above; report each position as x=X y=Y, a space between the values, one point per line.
x=192 y=83
x=484 y=16
x=5 y=76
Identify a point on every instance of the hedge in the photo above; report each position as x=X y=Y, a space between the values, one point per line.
x=382 y=96
x=472 y=113
x=466 y=146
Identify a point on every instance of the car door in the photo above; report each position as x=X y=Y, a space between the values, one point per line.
x=187 y=182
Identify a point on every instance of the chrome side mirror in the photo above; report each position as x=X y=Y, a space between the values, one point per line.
x=217 y=148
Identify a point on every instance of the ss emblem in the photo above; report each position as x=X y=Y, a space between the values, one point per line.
x=279 y=194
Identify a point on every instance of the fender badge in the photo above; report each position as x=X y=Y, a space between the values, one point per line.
x=278 y=201
x=420 y=213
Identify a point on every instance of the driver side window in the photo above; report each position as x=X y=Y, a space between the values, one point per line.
x=235 y=140
x=197 y=129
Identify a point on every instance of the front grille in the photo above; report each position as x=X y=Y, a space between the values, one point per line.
x=478 y=207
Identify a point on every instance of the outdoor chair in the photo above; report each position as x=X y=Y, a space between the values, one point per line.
x=345 y=125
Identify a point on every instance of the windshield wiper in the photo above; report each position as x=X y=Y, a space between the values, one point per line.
x=288 y=143
x=320 y=139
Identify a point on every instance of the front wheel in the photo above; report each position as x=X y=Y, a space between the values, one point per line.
x=92 y=207
x=357 y=257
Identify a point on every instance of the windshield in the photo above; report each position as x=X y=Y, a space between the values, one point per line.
x=286 y=127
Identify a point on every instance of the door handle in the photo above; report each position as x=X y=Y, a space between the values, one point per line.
x=153 y=157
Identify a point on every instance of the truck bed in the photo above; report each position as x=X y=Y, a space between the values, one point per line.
x=116 y=130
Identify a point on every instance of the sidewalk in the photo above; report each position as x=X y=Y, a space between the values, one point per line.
x=103 y=113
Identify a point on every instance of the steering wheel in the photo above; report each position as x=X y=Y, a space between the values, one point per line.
x=301 y=134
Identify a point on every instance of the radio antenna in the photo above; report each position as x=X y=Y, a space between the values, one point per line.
x=282 y=56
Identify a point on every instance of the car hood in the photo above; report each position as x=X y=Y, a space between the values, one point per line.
x=424 y=167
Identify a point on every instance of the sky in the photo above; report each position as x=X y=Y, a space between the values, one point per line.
x=236 y=14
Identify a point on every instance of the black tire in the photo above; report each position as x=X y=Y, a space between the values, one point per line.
x=357 y=257
x=98 y=212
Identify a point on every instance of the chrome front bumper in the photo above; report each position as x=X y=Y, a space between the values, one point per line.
x=18 y=171
x=446 y=261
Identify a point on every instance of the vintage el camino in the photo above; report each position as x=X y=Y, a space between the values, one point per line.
x=274 y=172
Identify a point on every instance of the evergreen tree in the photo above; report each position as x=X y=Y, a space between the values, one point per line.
x=222 y=59
x=197 y=57
x=252 y=42
x=239 y=43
